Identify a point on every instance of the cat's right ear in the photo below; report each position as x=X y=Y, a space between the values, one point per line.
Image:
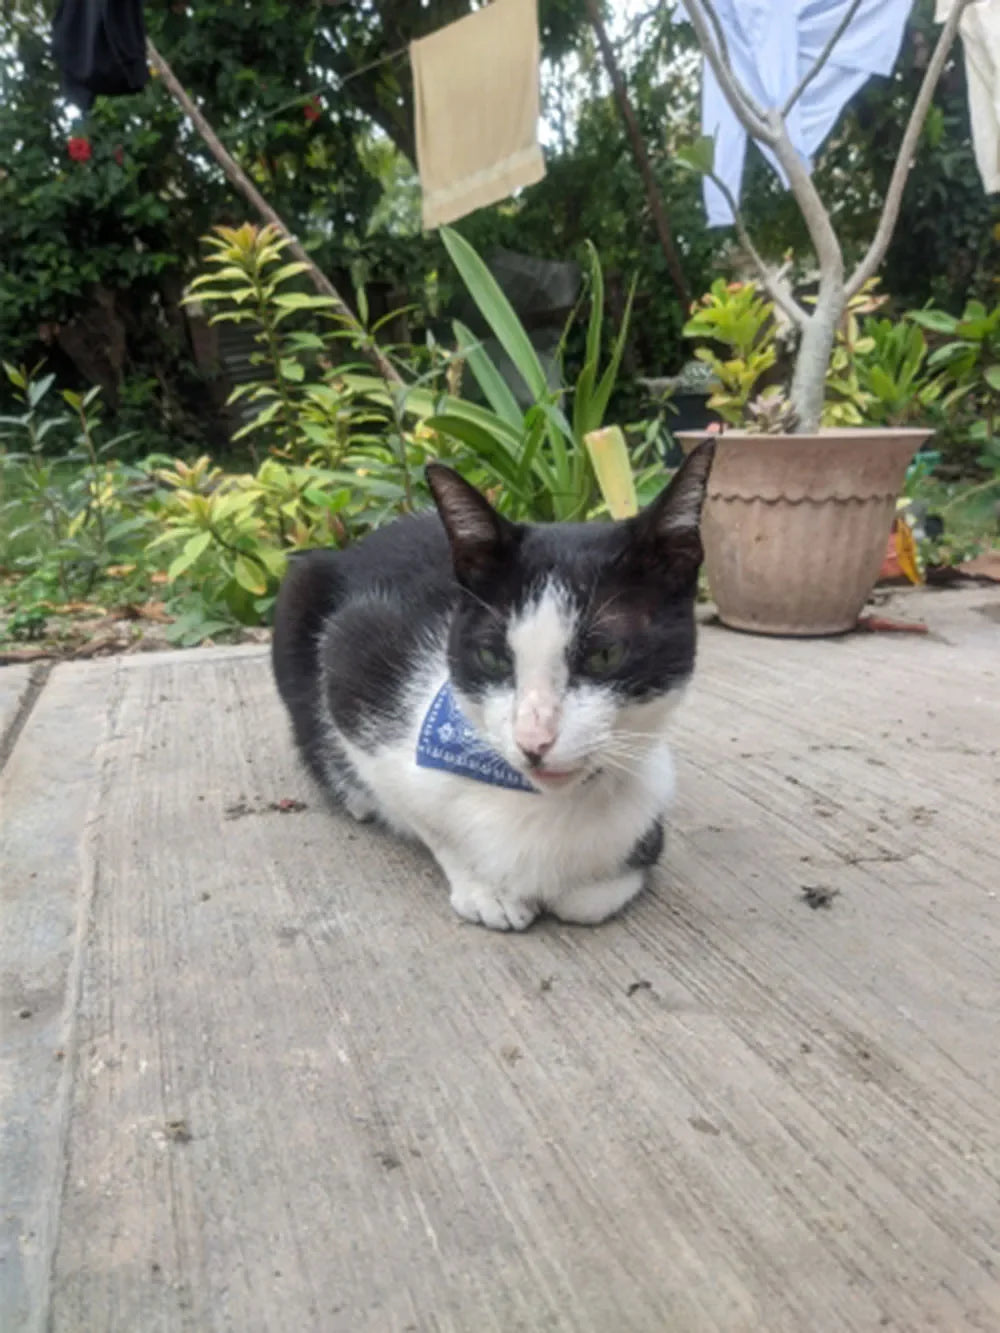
x=480 y=537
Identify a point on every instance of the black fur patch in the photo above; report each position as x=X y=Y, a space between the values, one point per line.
x=648 y=850
x=362 y=615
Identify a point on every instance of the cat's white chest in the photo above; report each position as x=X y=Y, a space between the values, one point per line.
x=541 y=843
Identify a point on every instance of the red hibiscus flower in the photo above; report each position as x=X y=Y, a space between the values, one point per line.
x=119 y=155
x=79 y=148
x=311 y=110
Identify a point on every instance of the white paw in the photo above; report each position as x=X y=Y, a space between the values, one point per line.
x=593 y=903
x=487 y=907
x=360 y=805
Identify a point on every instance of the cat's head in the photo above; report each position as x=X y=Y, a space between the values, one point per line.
x=571 y=641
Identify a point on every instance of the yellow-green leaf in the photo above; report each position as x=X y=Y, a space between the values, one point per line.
x=609 y=455
x=249 y=575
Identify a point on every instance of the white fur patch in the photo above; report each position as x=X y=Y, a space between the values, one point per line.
x=540 y=639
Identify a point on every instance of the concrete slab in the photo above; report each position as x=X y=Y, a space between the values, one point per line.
x=269 y=1082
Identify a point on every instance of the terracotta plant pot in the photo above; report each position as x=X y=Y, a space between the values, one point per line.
x=795 y=526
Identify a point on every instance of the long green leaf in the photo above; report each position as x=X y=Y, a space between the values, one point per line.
x=582 y=414
x=484 y=445
x=497 y=311
x=531 y=460
x=605 y=388
x=423 y=403
x=495 y=388
x=938 y=321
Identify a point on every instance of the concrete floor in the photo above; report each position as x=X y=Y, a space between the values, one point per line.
x=257 y=1076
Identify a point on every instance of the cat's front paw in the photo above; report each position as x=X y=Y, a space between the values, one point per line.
x=486 y=906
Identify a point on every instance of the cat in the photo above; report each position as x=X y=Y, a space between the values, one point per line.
x=500 y=690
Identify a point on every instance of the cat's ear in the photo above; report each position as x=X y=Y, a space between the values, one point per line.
x=480 y=537
x=665 y=536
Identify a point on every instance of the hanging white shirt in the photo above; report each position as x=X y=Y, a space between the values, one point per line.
x=772 y=44
x=980 y=29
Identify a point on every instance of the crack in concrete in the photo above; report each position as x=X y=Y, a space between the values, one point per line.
x=37 y=677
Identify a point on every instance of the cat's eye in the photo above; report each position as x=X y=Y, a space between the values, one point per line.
x=494 y=664
x=602 y=661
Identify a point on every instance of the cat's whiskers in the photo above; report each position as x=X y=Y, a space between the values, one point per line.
x=492 y=610
x=635 y=743
x=618 y=765
x=595 y=616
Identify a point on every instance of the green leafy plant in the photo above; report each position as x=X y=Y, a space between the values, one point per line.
x=892 y=374
x=249 y=283
x=536 y=457
x=969 y=361
x=67 y=518
x=228 y=535
x=302 y=403
x=735 y=316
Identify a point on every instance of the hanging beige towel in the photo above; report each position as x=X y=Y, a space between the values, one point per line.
x=980 y=29
x=476 y=109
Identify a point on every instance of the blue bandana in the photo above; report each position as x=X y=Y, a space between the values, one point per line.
x=448 y=742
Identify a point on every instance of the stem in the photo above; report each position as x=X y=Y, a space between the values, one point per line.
x=777 y=288
x=239 y=179
x=989 y=484
x=822 y=58
x=713 y=45
x=634 y=135
x=236 y=550
x=274 y=351
x=813 y=359
x=88 y=444
x=907 y=149
x=398 y=414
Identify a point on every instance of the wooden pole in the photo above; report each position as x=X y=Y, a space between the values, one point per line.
x=238 y=178
x=634 y=135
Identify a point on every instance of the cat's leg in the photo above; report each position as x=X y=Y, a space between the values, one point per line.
x=360 y=804
x=592 y=903
x=485 y=904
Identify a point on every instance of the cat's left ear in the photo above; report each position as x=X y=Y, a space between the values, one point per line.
x=480 y=537
x=666 y=534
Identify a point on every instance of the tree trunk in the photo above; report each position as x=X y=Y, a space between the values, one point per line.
x=812 y=360
x=240 y=180
x=634 y=135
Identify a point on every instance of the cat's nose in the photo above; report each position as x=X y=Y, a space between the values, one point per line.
x=536 y=725
x=537 y=750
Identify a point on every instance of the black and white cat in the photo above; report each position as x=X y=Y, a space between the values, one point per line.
x=501 y=690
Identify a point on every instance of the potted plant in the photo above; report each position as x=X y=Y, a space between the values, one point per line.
x=797 y=515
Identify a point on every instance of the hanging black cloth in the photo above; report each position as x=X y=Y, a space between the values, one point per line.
x=100 y=48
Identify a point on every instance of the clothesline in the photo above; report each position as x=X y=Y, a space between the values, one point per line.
x=374 y=64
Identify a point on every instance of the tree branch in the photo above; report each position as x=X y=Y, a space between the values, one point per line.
x=822 y=58
x=634 y=134
x=777 y=288
x=907 y=149
x=713 y=44
x=238 y=178
x=820 y=329
x=828 y=252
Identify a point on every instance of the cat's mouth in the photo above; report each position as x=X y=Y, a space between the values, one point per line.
x=551 y=779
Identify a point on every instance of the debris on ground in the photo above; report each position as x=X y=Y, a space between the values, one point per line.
x=177 y=1131
x=886 y=625
x=818 y=895
x=286 y=805
x=634 y=986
